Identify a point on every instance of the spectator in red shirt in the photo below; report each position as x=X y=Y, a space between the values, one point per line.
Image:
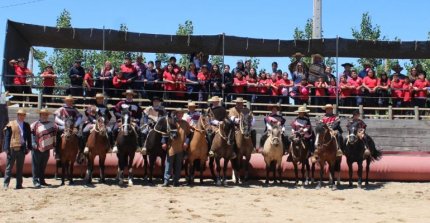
x=331 y=91
x=284 y=88
x=89 y=82
x=273 y=83
x=370 y=85
x=357 y=83
x=48 y=82
x=345 y=88
x=20 y=79
x=384 y=84
x=396 y=90
x=263 y=88
x=175 y=67
x=302 y=92
x=320 y=91
x=407 y=93
x=181 y=88
x=203 y=77
x=169 y=79
x=239 y=84
x=129 y=72
x=120 y=84
x=104 y=79
x=420 y=88
x=252 y=83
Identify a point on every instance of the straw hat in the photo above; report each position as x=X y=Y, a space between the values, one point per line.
x=100 y=95
x=129 y=91
x=317 y=55
x=327 y=106
x=21 y=111
x=298 y=54
x=44 y=111
x=191 y=104
x=302 y=109
x=214 y=99
x=69 y=98
x=239 y=100
x=179 y=110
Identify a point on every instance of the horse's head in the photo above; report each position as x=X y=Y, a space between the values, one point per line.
x=126 y=127
x=354 y=133
x=275 y=135
x=245 y=121
x=321 y=130
x=227 y=127
x=171 y=126
x=297 y=137
x=69 y=123
x=101 y=125
x=203 y=123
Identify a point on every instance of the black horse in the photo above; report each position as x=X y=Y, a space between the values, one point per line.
x=355 y=152
x=164 y=126
x=127 y=145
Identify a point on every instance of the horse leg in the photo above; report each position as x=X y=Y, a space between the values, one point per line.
x=202 y=167
x=190 y=170
x=130 y=168
x=246 y=177
x=279 y=167
x=212 y=168
x=88 y=174
x=306 y=163
x=350 y=173
x=332 y=167
x=224 y=172
x=367 y=170
x=360 y=173
x=152 y=160
x=296 y=172
x=145 y=167
x=102 y=168
x=163 y=166
x=63 y=173
x=303 y=174
x=71 y=182
x=337 y=169
x=273 y=167
x=321 y=175
x=312 y=173
x=218 y=171
x=121 y=166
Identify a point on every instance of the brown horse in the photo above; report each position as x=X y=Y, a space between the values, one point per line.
x=326 y=148
x=198 y=149
x=98 y=145
x=243 y=143
x=298 y=151
x=273 y=150
x=69 y=150
x=222 y=147
x=127 y=145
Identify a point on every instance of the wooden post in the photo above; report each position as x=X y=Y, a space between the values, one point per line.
x=335 y=109
x=39 y=100
x=360 y=108
x=417 y=113
x=390 y=112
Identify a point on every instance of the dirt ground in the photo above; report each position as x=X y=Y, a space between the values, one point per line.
x=380 y=202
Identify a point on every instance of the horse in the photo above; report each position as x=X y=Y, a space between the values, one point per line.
x=127 y=145
x=243 y=143
x=273 y=151
x=326 y=148
x=355 y=152
x=69 y=150
x=98 y=145
x=164 y=125
x=198 y=149
x=222 y=147
x=298 y=151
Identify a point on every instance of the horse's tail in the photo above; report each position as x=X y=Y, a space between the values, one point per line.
x=374 y=152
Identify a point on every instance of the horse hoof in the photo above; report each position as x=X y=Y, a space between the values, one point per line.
x=130 y=182
x=334 y=187
x=350 y=185
x=306 y=183
x=318 y=187
x=120 y=182
x=71 y=183
x=62 y=184
x=102 y=181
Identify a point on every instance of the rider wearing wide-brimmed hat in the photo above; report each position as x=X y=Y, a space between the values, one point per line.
x=298 y=59
x=333 y=122
x=234 y=115
x=302 y=124
x=151 y=114
x=274 y=118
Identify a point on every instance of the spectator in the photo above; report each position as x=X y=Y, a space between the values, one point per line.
x=347 y=69
x=216 y=81
x=169 y=79
x=316 y=69
x=366 y=66
x=298 y=59
x=228 y=80
x=302 y=92
x=252 y=83
x=181 y=88
x=274 y=66
x=299 y=73
x=263 y=88
x=120 y=84
x=370 y=85
x=192 y=82
x=175 y=67
x=239 y=67
x=197 y=60
x=203 y=78
x=384 y=84
x=346 y=90
x=183 y=70
x=104 y=79
x=129 y=72
x=420 y=87
x=150 y=80
x=273 y=84
x=239 y=84
x=140 y=68
x=248 y=66
x=328 y=73
x=357 y=91
x=331 y=91
x=89 y=82
x=205 y=61
x=407 y=93
x=160 y=72
x=48 y=82
x=320 y=91
x=413 y=75
x=76 y=75
x=20 y=85
x=285 y=85
x=397 y=69
x=396 y=90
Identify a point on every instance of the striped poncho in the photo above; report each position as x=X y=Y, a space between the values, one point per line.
x=44 y=134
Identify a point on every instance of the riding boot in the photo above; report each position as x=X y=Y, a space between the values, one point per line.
x=85 y=136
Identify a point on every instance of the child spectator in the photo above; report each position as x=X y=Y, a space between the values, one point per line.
x=407 y=92
x=346 y=90
x=420 y=88
x=181 y=88
x=169 y=79
x=370 y=84
x=383 y=87
x=357 y=84
x=89 y=82
x=331 y=90
x=48 y=82
x=120 y=84
x=239 y=84
x=320 y=91
x=251 y=81
x=284 y=88
x=396 y=90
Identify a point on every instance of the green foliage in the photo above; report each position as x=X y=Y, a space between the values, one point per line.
x=216 y=59
x=184 y=30
x=163 y=57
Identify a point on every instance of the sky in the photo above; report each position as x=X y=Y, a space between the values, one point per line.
x=269 y=19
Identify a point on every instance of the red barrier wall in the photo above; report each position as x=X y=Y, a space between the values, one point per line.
x=399 y=167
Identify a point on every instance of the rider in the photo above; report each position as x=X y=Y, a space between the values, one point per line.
x=302 y=124
x=333 y=122
x=135 y=112
x=361 y=125
x=216 y=113
x=234 y=114
x=92 y=113
x=150 y=117
x=61 y=114
x=192 y=116
x=274 y=118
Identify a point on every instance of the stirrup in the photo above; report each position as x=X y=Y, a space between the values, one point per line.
x=138 y=149
x=314 y=159
x=86 y=150
x=143 y=151
x=211 y=153
x=115 y=149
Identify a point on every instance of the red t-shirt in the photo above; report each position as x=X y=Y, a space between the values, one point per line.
x=263 y=88
x=396 y=89
x=370 y=82
x=167 y=76
x=128 y=69
x=251 y=89
x=176 y=69
x=48 y=81
x=180 y=86
x=118 y=82
x=344 y=93
x=421 y=84
x=270 y=82
x=89 y=78
x=332 y=91
x=202 y=77
x=319 y=91
x=20 y=74
x=407 y=92
x=239 y=85
x=356 y=83
x=282 y=83
x=304 y=91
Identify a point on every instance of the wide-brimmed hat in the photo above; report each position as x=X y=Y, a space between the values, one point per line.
x=302 y=109
x=156 y=98
x=129 y=91
x=298 y=54
x=191 y=104
x=239 y=100
x=69 y=98
x=21 y=111
x=396 y=66
x=179 y=110
x=271 y=106
x=347 y=64
x=327 y=106
x=44 y=111
x=214 y=99
x=100 y=95
x=317 y=55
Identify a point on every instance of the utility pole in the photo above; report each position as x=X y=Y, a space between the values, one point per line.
x=317 y=20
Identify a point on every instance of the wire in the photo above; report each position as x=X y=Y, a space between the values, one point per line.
x=19 y=4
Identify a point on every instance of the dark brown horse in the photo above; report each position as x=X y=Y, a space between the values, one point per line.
x=198 y=149
x=299 y=151
x=69 y=150
x=355 y=152
x=98 y=145
x=326 y=148
x=273 y=151
x=243 y=143
x=127 y=145
x=222 y=147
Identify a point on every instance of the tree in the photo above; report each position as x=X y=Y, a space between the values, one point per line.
x=216 y=59
x=184 y=30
